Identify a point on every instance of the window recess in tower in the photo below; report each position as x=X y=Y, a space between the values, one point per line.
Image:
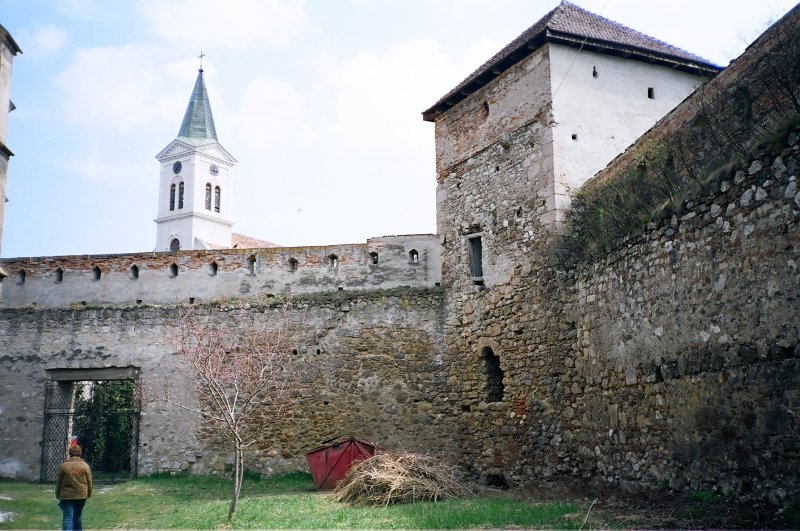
x=495 y=387
x=475 y=249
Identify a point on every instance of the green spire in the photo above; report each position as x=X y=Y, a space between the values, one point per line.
x=198 y=122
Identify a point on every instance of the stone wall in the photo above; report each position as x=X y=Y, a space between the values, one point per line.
x=494 y=182
x=170 y=277
x=372 y=364
x=687 y=353
x=664 y=356
x=685 y=364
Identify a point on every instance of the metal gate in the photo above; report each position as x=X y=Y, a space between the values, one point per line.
x=59 y=421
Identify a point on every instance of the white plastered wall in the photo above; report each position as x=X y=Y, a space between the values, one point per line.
x=606 y=113
x=193 y=222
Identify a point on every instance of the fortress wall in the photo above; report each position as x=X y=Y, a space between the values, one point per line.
x=687 y=363
x=270 y=274
x=667 y=357
x=372 y=365
x=507 y=103
x=685 y=367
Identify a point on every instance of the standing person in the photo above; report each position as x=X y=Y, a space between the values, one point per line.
x=73 y=488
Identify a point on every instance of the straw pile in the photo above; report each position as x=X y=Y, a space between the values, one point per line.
x=397 y=477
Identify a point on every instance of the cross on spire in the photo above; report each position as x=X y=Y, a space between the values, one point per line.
x=201 y=59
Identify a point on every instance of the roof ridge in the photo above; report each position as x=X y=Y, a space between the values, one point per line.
x=618 y=25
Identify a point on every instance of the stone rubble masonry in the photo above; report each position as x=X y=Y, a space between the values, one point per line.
x=687 y=345
x=673 y=358
x=686 y=355
x=669 y=359
x=371 y=363
x=236 y=276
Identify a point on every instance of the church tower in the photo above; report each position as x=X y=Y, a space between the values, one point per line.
x=195 y=182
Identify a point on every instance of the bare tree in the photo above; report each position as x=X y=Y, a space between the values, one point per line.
x=238 y=361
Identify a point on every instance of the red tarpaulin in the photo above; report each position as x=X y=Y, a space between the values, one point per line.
x=330 y=462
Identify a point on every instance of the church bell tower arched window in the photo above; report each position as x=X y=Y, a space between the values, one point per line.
x=180 y=196
x=217 y=198
x=208 y=196
x=172 y=197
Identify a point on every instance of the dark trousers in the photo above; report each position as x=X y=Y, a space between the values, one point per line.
x=72 y=510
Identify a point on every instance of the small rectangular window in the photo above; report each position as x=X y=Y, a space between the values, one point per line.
x=651 y=93
x=476 y=259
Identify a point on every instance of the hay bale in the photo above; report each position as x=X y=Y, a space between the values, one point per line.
x=397 y=477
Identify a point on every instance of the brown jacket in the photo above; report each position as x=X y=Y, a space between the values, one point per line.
x=74 y=480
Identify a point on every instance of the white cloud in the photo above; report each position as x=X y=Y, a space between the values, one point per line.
x=376 y=99
x=232 y=23
x=76 y=9
x=91 y=164
x=116 y=88
x=373 y=154
x=271 y=116
x=43 y=41
x=383 y=90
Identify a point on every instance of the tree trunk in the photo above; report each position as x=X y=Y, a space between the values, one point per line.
x=238 y=475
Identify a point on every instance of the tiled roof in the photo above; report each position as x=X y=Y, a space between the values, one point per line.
x=198 y=121
x=570 y=24
x=240 y=241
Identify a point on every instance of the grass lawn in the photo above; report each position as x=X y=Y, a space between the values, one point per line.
x=290 y=502
x=286 y=502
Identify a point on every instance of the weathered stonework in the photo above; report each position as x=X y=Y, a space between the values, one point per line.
x=667 y=355
x=183 y=276
x=686 y=360
x=371 y=361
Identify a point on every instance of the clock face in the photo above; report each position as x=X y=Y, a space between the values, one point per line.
x=213 y=169
x=176 y=168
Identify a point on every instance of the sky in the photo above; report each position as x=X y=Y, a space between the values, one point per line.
x=320 y=101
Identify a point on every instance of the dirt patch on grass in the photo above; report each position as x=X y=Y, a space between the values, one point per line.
x=661 y=509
